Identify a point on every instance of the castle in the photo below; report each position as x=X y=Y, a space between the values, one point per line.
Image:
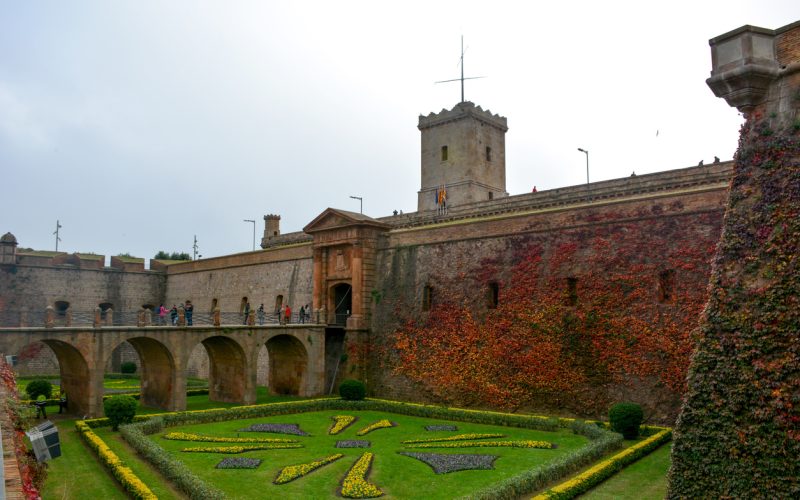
x=365 y=278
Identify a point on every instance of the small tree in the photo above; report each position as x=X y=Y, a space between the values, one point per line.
x=626 y=418
x=119 y=410
x=353 y=390
x=39 y=387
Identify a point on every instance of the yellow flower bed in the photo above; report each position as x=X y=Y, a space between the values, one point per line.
x=292 y=472
x=241 y=448
x=355 y=484
x=187 y=436
x=380 y=424
x=489 y=444
x=340 y=423
x=596 y=474
x=124 y=475
x=460 y=437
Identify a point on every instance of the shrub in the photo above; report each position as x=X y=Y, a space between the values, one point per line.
x=128 y=367
x=626 y=418
x=353 y=390
x=39 y=387
x=119 y=410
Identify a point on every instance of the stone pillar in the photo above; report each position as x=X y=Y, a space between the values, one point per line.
x=49 y=317
x=68 y=317
x=217 y=317
x=109 y=317
x=140 y=318
x=147 y=317
x=181 y=316
x=251 y=318
x=97 y=318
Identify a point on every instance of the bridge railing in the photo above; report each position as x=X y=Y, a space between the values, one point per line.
x=27 y=318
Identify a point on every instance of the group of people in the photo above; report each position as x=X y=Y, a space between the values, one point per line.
x=284 y=314
x=188 y=312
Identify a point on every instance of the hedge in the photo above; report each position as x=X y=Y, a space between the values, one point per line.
x=605 y=469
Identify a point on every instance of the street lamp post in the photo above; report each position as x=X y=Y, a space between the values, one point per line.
x=361 y=203
x=254 y=232
x=587 y=162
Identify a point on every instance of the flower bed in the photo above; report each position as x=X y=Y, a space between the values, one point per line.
x=355 y=484
x=292 y=472
x=544 y=445
x=276 y=428
x=129 y=481
x=340 y=423
x=380 y=424
x=442 y=464
x=241 y=448
x=186 y=436
x=239 y=463
x=441 y=428
x=353 y=443
x=459 y=437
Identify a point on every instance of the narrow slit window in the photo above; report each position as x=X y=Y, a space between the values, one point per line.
x=427 y=297
x=488 y=153
x=491 y=195
x=666 y=286
x=572 y=291
x=444 y=153
x=493 y=295
x=214 y=303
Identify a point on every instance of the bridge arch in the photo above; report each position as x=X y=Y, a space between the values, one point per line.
x=228 y=379
x=74 y=375
x=288 y=365
x=158 y=375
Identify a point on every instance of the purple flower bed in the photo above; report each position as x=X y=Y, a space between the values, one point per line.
x=353 y=443
x=293 y=429
x=239 y=463
x=443 y=464
x=441 y=428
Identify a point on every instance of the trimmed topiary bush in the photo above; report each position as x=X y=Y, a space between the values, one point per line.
x=626 y=418
x=119 y=410
x=39 y=387
x=127 y=367
x=353 y=390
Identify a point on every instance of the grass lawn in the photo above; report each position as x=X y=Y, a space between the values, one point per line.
x=397 y=475
x=644 y=479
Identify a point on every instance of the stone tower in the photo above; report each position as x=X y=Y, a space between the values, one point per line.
x=8 y=249
x=463 y=149
x=272 y=229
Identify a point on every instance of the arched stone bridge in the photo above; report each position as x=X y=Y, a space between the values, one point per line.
x=296 y=360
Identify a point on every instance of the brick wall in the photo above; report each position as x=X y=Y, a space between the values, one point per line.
x=788 y=44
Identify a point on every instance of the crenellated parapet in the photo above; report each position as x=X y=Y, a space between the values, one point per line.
x=460 y=111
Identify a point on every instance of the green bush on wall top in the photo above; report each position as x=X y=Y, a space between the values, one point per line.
x=626 y=418
x=119 y=410
x=353 y=390
x=38 y=387
x=127 y=367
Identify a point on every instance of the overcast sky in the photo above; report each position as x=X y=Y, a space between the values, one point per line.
x=139 y=124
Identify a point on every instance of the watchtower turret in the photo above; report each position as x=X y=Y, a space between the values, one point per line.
x=464 y=150
x=8 y=249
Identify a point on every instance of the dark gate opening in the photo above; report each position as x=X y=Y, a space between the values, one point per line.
x=343 y=300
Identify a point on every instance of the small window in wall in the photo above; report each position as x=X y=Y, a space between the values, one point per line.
x=666 y=286
x=493 y=295
x=572 y=291
x=214 y=303
x=491 y=195
x=274 y=233
x=427 y=297
x=241 y=306
x=488 y=153
x=148 y=306
x=61 y=307
x=444 y=153
x=105 y=306
x=278 y=303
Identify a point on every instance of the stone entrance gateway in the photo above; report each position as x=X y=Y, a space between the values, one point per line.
x=341 y=303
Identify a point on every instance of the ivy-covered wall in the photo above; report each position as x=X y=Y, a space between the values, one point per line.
x=583 y=308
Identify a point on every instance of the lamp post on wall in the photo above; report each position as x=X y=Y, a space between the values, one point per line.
x=587 y=162
x=254 y=232
x=361 y=203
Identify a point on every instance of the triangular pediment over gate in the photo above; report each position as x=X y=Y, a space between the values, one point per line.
x=333 y=218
